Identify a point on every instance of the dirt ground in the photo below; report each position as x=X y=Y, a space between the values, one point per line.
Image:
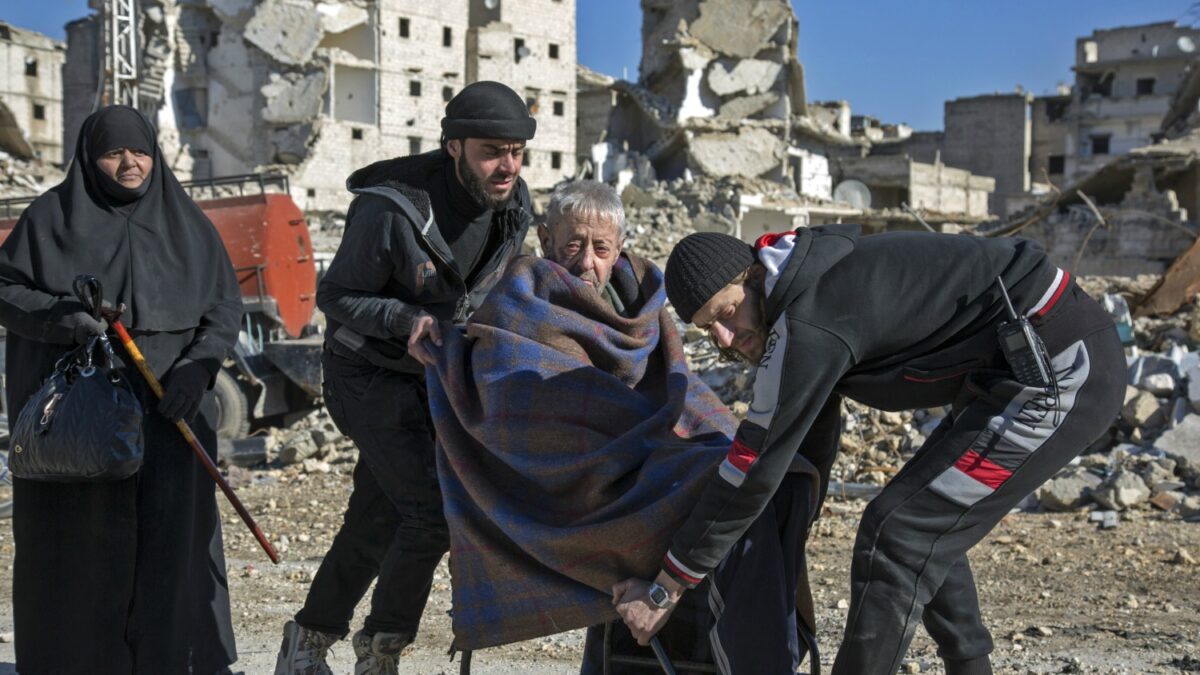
x=1059 y=595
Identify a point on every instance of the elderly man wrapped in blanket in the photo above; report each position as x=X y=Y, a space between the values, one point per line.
x=572 y=439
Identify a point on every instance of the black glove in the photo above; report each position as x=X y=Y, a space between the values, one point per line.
x=185 y=386
x=84 y=327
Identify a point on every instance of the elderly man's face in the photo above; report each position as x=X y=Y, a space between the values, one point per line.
x=587 y=247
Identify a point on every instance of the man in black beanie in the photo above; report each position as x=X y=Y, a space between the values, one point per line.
x=426 y=238
x=895 y=321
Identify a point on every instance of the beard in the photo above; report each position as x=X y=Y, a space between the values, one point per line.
x=477 y=189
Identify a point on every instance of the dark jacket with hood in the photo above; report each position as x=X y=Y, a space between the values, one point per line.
x=895 y=321
x=394 y=262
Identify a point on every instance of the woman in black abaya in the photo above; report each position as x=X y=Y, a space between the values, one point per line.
x=126 y=576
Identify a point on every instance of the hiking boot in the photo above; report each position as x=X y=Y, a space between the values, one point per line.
x=379 y=654
x=303 y=651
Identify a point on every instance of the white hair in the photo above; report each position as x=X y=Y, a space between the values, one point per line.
x=586 y=199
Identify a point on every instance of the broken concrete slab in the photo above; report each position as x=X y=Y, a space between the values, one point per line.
x=1150 y=364
x=1193 y=387
x=286 y=31
x=756 y=22
x=1182 y=443
x=291 y=143
x=746 y=106
x=1069 y=490
x=1159 y=384
x=751 y=76
x=749 y=152
x=1123 y=490
x=293 y=98
x=1143 y=410
x=337 y=17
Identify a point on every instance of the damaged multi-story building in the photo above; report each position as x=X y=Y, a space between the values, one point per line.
x=31 y=94
x=729 y=105
x=318 y=88
x=1125 y=79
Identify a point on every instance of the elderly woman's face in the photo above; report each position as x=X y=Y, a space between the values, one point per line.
x=126 y=166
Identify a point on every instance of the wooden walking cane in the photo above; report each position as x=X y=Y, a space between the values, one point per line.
x=197 y=449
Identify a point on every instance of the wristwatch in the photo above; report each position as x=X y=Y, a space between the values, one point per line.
x=660 y=597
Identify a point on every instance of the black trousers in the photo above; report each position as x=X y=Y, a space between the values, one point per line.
x=1001 y=441
x=393 y=527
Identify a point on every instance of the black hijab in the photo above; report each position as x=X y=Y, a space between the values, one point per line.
x=151 y=247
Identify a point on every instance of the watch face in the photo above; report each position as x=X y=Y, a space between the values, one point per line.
x=658 y=595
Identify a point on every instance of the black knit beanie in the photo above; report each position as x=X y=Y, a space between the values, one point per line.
x=700 y=266
x=488 y=110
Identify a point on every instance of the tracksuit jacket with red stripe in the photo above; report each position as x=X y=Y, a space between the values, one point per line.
x=894 y=321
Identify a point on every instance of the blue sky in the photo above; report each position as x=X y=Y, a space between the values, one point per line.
x=897 y=60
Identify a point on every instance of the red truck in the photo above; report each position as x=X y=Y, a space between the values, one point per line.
x=274 y=373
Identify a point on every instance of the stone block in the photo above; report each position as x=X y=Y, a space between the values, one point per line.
x=1159 y=384
x=1143 y=410
x=741 y=108
x=1123 y=490
x=1193 y=387
x=1182 y=444
x=287 y=32
x=1150 y=364
x=749 y=152
x=1068 y=491
x=740 y=28
x=293 y=98
x=749 y=76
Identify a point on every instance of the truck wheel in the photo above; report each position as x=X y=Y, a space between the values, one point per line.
x=233 y=413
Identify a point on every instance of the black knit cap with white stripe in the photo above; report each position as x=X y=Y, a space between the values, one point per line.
x=700 y=266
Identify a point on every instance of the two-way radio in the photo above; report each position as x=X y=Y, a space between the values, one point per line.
x=1023 y=349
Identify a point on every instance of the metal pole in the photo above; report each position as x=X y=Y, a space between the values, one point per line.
x=123 y=51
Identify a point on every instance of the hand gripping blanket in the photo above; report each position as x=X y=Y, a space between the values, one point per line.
x=571 y=443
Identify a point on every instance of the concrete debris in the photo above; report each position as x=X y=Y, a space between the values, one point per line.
x=293 y=97
x=1158 y=384
x=749 y=76
x=20 y=178
x=1182 y=444
x=758 y=24
x=746 y=106
x=287 y=31
x=1123 y=490
x=752 y=151
x=1069 y=490
x=1143 y=410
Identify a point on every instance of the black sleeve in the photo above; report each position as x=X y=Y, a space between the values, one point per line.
x=352 y=290
x=24 y=309
x=793 y=391
x=218 y=329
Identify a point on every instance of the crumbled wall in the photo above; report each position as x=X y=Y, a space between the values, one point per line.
x=31 y=126
x=319 y=88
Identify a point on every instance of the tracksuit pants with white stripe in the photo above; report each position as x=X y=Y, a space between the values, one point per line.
x=1001 y=441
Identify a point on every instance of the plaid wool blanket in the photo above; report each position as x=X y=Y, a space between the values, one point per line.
x=572 y=442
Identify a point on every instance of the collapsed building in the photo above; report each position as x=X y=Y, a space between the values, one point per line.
x=729 y=107
x=31 y=100
x=318 y=88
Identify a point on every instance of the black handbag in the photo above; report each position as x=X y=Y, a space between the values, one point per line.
x=83 y=425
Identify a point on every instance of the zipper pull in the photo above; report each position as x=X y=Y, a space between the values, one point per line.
x=461 y=309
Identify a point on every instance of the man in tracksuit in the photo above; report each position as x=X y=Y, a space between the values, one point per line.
x=426 y=238
x=895 y=321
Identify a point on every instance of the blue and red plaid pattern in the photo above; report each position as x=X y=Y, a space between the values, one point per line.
x=572 y=442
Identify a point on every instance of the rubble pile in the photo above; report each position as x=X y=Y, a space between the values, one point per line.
x=25 y=178
x=313 y=444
